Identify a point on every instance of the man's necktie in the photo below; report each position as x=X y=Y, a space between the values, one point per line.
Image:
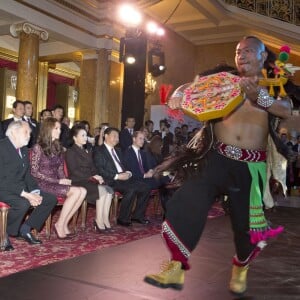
x=140 y=162
x=117 y=159
x=19 y=152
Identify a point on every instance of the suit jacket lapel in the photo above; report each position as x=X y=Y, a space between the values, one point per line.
x=108 y=155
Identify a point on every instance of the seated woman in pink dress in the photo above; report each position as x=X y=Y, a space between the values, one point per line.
x=47 y=166
x=83 y=173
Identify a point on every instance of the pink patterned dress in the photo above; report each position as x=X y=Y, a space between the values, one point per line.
x=48 y=170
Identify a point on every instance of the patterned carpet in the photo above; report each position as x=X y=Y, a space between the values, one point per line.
x=27 y=257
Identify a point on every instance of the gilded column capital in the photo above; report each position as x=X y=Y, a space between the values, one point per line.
x=28 y=28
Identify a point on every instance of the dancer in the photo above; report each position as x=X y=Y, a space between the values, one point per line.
x=234 y=165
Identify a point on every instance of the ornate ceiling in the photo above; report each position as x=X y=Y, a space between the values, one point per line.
x=92 y=24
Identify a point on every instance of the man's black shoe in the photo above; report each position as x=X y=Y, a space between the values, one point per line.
x=141 y=221
x=30 y=239
x=123 y=223
x=7 y=245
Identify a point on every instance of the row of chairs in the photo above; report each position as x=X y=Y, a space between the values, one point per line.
x=83 y=212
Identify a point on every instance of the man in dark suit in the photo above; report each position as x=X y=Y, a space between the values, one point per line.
x=58 y=114
x=18 y=111
x=136 y=161
x=18 y=188
x=111 y=167
x=126 y=134
x=31 y=122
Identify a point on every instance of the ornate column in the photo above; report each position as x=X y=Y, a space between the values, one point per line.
x=95 y=97
x=29 y=35
x=42 y=88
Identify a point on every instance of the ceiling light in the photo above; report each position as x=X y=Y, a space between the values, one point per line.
x=152 y=27
x=130 y=59
x=129 y=15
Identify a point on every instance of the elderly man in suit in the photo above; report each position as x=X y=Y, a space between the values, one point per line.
x=110 y=165
x=18 y=188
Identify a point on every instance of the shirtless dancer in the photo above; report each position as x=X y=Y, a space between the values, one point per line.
x=235 y=166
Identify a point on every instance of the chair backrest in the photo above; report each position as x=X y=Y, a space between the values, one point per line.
x=4 y=205
x=66 y=169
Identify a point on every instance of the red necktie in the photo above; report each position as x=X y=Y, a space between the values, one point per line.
x=140 y=162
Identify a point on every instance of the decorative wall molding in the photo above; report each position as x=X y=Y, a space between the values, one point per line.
x=287 y=11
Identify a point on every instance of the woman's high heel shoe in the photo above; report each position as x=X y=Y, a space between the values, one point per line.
x=97 y=229
x=109 y=229
x=59 y=237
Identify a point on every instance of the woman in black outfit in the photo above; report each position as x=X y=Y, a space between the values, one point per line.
x=83 y=173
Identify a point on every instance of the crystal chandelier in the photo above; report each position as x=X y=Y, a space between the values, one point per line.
x=150 y=84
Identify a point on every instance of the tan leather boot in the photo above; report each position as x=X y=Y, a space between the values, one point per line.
x=171 y=275
x=238 y=281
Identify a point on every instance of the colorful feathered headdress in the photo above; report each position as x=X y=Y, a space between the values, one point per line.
x=282 y=71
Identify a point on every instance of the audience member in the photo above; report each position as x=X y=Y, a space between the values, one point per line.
x=293 y=137
x=32 y=123
x=82 y=172
x=90 y=139
x=126 y=134
x=44 y=114
x=96 y=131
x=66 y=120
x=99 y=139
x=18 y=111
x=136 y=162
x=58 y=114
x=47 y=166
x=184 y=134
x=110 y=165
x=154 y=158
x=145 y=131
x=19 y=189
x=150 y=125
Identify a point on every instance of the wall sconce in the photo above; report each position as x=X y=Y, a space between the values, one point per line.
x=150 y=84
x=9 y=101
x=156 y=62
x=13 y=82
x=74 y=96
x=71 y=112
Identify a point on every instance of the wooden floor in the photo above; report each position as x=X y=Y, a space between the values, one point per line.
x=117 y=272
